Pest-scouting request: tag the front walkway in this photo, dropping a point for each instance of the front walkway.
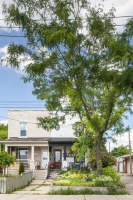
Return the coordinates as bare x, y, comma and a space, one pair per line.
42, 187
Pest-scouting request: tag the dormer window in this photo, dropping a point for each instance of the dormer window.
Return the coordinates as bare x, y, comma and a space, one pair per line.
23, 129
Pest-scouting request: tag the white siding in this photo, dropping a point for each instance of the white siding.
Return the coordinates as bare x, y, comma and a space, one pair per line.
66, 130
29, 116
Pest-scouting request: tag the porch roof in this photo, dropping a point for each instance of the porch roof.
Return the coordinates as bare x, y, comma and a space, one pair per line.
61, 140
25, 140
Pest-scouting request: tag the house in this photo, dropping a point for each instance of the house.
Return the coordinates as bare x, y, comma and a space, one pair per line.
36, 147
125, 163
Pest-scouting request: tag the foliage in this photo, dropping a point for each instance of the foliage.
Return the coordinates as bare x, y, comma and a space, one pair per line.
85, 69
85, 178
3, 133
21, 168
102, 180
120, 151
107, 159
109, 171
113, 190
6, 159
70, 191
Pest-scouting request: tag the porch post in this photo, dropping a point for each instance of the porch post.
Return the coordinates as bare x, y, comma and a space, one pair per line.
32, 153
6, 148
6, 169
32, 164
64, 152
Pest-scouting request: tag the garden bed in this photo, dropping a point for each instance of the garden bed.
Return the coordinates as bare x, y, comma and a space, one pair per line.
108, 182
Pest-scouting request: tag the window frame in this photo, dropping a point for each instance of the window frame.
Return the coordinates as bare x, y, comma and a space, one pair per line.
22, 123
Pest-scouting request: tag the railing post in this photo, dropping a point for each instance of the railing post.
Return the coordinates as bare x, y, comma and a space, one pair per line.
3, 185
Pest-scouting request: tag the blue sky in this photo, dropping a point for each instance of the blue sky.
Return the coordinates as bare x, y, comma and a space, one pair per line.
12, 87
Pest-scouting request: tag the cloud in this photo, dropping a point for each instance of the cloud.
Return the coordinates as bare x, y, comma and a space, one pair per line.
121, 140
3, 50
3, 54
8, 2
24, 61
5, 122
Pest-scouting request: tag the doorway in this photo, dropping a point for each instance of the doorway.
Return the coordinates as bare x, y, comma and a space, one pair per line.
57, 159
44, 159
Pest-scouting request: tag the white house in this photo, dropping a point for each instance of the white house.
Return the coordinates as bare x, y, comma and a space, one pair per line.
36, 147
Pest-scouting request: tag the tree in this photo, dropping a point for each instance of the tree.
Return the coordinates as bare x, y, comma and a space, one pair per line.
120, 151
107, 159
6, 160
21, 168
3, 133
77, 60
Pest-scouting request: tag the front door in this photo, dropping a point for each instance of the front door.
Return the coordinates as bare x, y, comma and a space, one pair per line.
44, 159
57, 159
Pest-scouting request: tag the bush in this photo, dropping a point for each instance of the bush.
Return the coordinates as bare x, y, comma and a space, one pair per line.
109, 171
21, 168
114, 190
102, 180
62, 172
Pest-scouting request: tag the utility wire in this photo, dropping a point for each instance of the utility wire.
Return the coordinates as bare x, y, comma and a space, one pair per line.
22, 36
21, 107
23, 101
20, 27
115, 17
17, 120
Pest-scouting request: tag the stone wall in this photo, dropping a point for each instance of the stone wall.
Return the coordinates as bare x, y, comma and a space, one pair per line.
9, 184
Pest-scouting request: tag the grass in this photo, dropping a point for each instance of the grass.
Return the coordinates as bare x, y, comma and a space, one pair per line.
86, 191
72, 181
70, 191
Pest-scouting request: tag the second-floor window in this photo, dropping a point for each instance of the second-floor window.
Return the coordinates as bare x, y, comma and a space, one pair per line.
23, 129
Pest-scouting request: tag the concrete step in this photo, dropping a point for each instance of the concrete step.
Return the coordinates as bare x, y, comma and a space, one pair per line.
53, 174
40, 175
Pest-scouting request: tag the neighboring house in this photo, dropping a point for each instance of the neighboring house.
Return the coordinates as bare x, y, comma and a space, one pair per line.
123, 163
36, 147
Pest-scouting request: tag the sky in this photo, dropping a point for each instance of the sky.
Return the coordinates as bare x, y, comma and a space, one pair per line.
15, 93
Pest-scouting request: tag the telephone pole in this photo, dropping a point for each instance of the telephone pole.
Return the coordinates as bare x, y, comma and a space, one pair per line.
130, 152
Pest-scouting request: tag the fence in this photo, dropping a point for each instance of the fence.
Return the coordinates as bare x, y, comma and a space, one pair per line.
9, 184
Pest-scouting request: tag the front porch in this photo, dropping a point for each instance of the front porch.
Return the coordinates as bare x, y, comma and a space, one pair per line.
40, 153
60, 153
33, 152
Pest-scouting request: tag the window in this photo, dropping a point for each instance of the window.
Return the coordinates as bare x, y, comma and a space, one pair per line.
23, 126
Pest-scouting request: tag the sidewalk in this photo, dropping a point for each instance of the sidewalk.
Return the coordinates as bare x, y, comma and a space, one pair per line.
63, 197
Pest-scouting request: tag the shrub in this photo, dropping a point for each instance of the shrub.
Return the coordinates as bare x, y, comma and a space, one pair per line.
109, 171
114, 190
62, 172
21, 168
102, 180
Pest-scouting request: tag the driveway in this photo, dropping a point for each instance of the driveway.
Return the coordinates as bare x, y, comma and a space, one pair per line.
127, 179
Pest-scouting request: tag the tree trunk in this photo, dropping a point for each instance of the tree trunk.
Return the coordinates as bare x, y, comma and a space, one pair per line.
98, 154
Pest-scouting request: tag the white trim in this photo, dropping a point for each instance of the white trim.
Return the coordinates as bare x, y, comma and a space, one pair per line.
26, 124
